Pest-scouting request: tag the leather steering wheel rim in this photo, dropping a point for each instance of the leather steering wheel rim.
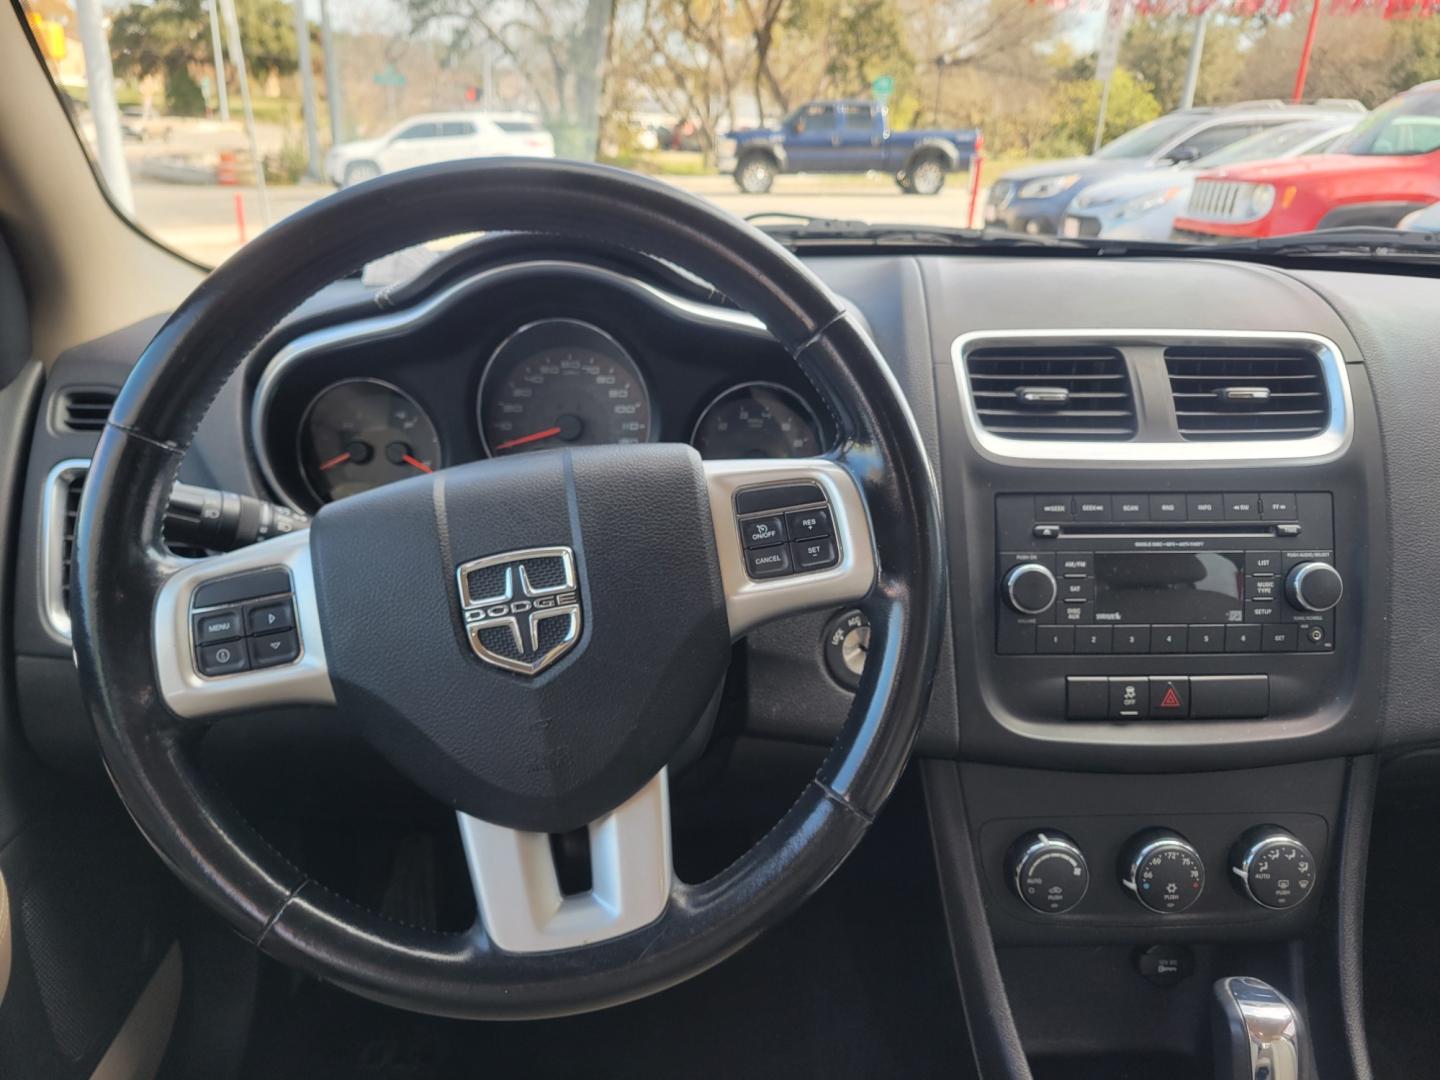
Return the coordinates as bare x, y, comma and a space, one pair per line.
121, 564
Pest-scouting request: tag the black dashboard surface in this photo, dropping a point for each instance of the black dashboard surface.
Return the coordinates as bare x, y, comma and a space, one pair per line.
916, 306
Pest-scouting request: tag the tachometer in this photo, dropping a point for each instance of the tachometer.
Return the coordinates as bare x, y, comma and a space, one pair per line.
757, 420
362, 433
560, 382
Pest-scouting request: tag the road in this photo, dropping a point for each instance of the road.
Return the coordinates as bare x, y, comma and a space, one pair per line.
207, 222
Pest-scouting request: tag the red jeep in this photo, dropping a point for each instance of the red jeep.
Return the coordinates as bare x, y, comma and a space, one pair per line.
1386, 168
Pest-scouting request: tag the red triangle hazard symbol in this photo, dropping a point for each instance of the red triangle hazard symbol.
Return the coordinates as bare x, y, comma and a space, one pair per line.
1171, 700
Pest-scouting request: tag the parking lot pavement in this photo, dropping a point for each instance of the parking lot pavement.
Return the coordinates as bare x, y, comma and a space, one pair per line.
202, 220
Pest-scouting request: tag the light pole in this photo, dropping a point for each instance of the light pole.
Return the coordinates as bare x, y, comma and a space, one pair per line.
104, 111
332, 76
222, 92
307, 92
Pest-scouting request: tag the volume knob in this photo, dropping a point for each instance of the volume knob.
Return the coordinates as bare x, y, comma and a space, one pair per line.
1030, 588
1314, 586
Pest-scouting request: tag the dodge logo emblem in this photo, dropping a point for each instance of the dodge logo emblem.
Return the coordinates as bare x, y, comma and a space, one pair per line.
521, 608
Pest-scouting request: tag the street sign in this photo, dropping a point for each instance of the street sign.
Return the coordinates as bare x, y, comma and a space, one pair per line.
883, 87
390, 77
1110, 42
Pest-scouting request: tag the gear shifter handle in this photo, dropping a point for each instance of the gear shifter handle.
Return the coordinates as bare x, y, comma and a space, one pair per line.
1258, 1033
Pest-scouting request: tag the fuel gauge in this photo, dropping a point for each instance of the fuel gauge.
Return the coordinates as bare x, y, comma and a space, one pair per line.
361, 434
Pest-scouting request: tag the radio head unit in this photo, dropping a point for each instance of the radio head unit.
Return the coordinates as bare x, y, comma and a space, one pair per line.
1166, 573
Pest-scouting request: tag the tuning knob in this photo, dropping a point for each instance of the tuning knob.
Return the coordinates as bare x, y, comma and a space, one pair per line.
1314, 586
1272, 867
1162, 870
1030, 588
1048, 871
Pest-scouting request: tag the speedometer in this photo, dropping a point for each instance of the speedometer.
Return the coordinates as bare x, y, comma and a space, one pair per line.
561, 382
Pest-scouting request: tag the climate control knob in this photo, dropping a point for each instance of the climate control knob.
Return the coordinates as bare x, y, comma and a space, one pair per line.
1314, 586
1162, 870
1272, 867
1048, 871
1030, 588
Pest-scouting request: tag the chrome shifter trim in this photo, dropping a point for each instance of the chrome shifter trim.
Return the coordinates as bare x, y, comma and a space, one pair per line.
1271, 1025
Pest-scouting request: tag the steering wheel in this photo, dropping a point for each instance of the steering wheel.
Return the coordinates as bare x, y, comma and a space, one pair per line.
529, 639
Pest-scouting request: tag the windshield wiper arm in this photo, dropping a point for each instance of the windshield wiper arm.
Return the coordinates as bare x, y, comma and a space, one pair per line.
1349, 240
841, 231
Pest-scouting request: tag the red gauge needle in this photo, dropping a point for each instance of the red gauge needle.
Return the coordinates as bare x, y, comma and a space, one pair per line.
338, 459
409, 459
534, 436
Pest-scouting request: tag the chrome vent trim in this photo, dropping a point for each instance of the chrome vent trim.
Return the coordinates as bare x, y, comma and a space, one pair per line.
1045, 391
1225, 392
1159, 443
61, 505
84, 408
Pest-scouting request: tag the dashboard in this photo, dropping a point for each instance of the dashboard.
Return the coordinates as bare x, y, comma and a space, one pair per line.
519, 359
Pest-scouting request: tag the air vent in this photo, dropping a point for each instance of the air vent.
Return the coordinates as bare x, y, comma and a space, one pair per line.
1247, 393
1052, 392
62, 507
85, 410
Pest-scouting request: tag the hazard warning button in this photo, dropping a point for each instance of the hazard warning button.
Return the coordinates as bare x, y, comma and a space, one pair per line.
1169, 697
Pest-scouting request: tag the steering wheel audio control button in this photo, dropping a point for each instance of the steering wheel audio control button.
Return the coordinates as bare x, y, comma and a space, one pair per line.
269, 617
217, 626
224, 659
271, 650
768, 562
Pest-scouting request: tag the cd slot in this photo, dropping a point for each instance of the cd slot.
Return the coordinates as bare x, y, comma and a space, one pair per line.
1164, 532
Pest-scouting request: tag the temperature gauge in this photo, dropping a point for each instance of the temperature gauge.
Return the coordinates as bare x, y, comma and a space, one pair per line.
362, 433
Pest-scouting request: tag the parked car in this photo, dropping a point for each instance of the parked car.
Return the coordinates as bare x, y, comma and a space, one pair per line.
1384, 170
432, 137
1143, 205
1034, 199
846, 137
1425, 221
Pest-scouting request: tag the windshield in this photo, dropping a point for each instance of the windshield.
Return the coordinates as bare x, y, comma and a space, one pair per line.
210, 120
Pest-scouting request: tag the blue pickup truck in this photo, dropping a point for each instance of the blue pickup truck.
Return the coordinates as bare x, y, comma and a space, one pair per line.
846, 137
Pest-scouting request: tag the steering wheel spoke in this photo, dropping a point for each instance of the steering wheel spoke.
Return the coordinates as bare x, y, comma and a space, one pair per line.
791, 535
518, 890
241, 631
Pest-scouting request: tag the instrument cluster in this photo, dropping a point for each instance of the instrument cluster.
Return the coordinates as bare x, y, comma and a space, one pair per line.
355, 415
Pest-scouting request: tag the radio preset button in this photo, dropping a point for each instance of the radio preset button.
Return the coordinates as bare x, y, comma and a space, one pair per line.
1131, 507
1092, 507
1092, 639
1168, 639
1054, 639
1207, 639
1280, 638
1205, 507
1167, 507
1242, 507
1132, 639
1242, 637
1052, 507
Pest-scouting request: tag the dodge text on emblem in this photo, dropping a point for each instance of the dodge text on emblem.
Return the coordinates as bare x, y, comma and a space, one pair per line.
521, 608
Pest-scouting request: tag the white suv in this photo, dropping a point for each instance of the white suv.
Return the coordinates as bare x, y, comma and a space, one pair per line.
432, 137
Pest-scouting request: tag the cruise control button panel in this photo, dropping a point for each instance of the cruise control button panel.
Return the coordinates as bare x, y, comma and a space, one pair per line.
243, 623
786, 539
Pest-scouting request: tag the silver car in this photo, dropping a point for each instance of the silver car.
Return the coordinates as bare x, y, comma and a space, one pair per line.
1142, 205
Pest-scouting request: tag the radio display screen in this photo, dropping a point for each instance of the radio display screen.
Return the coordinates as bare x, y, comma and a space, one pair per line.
1170, 587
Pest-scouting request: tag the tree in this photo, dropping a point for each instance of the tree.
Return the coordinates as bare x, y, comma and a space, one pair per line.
172, 37
1157, 49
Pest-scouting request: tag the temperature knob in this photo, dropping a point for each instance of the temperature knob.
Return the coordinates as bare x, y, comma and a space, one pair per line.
1272, 867
1314, 586
1030, 588
1162, 870
1048, 871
